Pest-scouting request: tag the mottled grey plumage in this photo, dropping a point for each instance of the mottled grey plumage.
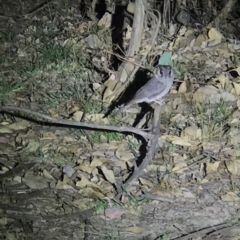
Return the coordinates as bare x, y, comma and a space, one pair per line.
155, 89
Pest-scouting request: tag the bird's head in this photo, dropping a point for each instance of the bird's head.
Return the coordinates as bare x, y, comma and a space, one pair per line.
164, 71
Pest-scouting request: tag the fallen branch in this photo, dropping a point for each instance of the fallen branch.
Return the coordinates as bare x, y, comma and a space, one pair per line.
138, 170
40, 117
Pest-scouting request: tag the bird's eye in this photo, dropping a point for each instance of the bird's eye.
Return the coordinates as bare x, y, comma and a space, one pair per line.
161, 72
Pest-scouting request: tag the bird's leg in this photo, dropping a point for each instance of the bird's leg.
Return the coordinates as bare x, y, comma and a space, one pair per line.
160, 101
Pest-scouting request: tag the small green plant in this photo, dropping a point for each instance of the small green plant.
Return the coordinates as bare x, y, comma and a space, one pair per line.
100, 205
211, 121
53, 99
53, 53
94, 29
8, 88
111, 237
7, 37
109, 136
135, 201
222, 110
58, 159
82, 61
132, 145
39, 153
165, 237
89, 105
171, 148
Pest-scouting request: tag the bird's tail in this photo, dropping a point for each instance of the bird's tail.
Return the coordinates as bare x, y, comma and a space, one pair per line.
120, 109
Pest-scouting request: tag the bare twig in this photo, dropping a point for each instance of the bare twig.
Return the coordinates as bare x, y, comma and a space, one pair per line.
39, 117
35, 10
39, 7
207, 232
161, 198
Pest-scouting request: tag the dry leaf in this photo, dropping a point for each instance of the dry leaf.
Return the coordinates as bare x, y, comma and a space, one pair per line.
10, 236
207, 94
68, 139
233, 166
192, 133
107, 187
238, 104
227, 97
212, 167
84, 182
35, 182
77, 116
69, 188
106, 20
128, 33
157, 190
213, 145
87, 169
213, 34
47, 175
97, 118
213, 43
124, 155
131, 7
110, 83
224, 80
20, 125
235, 140
180, 167
176, 140
230, 197
145, 50
180, 42
5, 129
146, 182
114, 212
187, 194
182, 31
96, 162
98, 87
48, 136
82, 27
236, 88
33, 146
134, 229
183, 87
68, 170
108, 95
108, 174
200, 40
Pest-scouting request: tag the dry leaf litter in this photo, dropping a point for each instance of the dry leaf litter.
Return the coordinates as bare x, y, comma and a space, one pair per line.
62, 181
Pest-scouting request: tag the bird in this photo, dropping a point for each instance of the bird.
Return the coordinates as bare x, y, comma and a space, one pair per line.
154, 90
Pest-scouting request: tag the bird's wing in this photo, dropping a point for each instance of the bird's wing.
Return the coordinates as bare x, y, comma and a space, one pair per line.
152, 90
